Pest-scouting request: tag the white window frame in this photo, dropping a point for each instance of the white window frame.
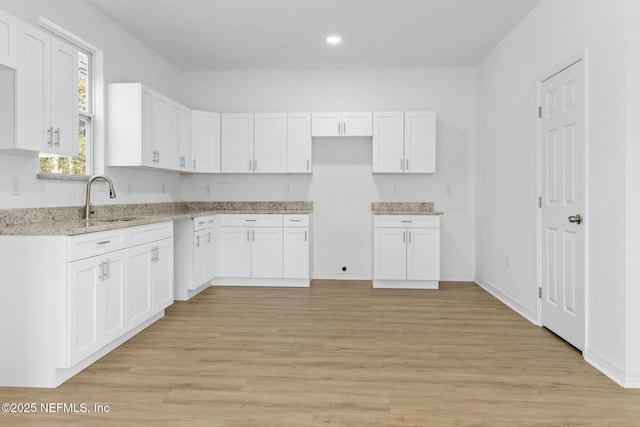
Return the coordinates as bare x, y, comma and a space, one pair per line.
95, 151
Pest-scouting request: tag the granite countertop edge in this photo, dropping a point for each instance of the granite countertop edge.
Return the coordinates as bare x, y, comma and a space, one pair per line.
97, 224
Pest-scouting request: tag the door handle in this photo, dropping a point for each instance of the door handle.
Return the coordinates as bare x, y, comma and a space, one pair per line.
57, 132
575, 219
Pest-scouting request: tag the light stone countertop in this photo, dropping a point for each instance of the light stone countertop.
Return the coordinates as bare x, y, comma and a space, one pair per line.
403, 208
67, 221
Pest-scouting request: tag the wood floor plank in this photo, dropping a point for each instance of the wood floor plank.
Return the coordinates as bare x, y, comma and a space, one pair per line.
340, 354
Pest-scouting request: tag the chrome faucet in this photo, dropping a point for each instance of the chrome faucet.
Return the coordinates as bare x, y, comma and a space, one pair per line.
112, 192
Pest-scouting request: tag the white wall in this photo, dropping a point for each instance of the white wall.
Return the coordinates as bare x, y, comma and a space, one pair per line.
342, 186
126, 59
506, 163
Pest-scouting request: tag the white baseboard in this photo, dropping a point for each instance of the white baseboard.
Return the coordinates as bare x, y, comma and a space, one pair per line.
508, 301
276, 283
339, 276
457, 279
405, 284
632, 380
605, 365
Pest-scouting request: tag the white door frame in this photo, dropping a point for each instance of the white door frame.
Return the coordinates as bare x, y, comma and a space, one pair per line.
577, 57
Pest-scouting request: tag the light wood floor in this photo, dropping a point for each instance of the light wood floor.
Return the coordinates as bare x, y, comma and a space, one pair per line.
340, 354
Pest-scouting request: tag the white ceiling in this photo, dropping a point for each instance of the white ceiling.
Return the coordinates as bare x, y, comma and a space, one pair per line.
276, 34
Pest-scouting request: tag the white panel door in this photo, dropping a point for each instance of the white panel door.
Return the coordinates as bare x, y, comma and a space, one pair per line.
200, 257
266, 252
357, 124
205, 142
209, 264
298, 143
270, 142
296, 253
563, 194
33, 81
235, 252
160, 140
390, 253
388, 142
420, 141
326, 124
184, 140
8, 40
173, 135
146, 128
162, 275
139, 305
64, 98
423, 254
85, 322
237, 143
114, 296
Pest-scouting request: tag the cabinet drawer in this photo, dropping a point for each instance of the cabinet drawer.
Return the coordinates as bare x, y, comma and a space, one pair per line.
251, 220
149, 233
202, 222
416, 221
88, 245
296, 220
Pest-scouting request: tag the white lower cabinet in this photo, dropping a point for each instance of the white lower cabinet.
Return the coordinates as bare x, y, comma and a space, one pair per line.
266, 250
406, 251
91, 293
195, 249
96, 303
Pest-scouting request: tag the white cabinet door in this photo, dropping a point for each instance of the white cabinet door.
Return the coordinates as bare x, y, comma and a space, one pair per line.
114, 296
147, 150
270, 142
237, 143
159, 141
357, 124
8, 40
173, 136
205, 142
388, 142
423, 254
64, 98
296, 253
139, 305
299, 143
162, 275
210, 260
420, 141
84, 328
235, 252
266, 252
390, 253
326, 124
33, 80
184, 140
200, 256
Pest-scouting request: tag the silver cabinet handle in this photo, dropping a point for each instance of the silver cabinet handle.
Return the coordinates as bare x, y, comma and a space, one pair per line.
250, 220
409, 236
158, 156
308, 164
407, 168
248, 239
255, 165
101, 276
253, 235
344, 128
404, 237
305, 235
250, 165
295, 220
407, 221
107, 273
103, 242
209, 237
339, 128
183, 161
50, 138
198, 241
57, 132
194, 164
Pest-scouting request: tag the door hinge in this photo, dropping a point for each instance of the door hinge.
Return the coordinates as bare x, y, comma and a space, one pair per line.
539, 112
540, 202
540, 293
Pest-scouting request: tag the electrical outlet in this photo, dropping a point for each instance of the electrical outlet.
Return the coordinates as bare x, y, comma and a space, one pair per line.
128, 189
396, 190
448, 190
344, 269
15, 185
287, 188
207, 190
163, 188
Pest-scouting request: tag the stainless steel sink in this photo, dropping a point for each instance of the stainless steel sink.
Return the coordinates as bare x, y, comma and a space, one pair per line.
98, 221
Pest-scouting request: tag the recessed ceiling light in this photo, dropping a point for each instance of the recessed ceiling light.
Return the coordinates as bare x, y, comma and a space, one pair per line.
334, 39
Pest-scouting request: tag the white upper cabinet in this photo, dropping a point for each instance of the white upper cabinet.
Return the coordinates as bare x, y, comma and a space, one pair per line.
184, 139
404, 142
145, 128
299, 143
270, 142
46, 104
237, 143
341, 124
8, 40
205, 142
